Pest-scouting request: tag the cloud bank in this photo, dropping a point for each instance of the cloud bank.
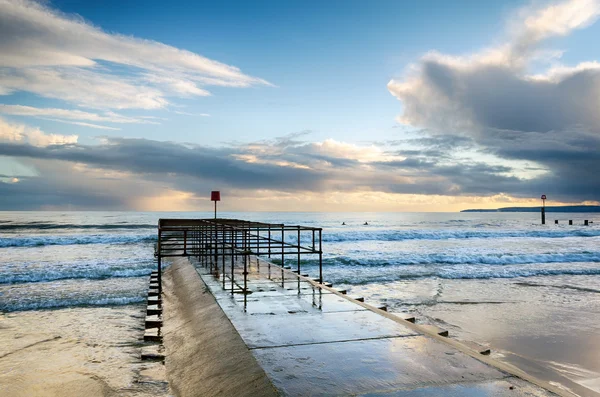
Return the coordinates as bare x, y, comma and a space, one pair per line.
549, 118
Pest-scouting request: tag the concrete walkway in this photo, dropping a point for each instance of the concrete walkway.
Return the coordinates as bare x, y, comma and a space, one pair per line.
312, 340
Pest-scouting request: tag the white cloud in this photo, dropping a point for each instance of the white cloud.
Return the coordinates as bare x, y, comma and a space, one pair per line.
73, 116
34, 136
191, 114
491, 88
62, 56
560, 19
84, 87
83, 124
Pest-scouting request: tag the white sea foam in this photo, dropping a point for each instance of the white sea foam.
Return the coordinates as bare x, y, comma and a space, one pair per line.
445, 234
38, 241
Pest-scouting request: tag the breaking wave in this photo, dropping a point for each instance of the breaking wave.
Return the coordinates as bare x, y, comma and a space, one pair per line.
91, 271
424, 234
38, 241
60, 303
12, 226
463, 259
361, 278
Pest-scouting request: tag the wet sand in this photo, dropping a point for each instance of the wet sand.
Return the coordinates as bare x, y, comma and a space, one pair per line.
76, 352
547, 326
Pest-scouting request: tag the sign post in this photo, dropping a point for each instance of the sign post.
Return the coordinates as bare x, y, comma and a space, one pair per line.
543, 209
215, 196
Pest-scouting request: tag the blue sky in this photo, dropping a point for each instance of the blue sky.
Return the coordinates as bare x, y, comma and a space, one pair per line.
360, 79
330, 61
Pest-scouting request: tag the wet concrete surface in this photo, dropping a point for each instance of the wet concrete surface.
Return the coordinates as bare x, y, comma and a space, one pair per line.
498, 388
312, 342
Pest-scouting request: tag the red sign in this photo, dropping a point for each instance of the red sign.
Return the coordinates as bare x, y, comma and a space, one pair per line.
543, 197
215, 195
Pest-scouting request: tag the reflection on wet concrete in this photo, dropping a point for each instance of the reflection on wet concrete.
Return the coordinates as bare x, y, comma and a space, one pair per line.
514, 388
312, 342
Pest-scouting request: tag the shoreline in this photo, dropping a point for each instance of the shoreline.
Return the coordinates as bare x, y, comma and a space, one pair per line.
76, 351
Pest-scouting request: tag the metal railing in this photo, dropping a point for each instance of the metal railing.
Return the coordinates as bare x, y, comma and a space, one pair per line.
224, 245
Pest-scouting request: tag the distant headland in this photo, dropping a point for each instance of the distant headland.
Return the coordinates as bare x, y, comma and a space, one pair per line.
561, 208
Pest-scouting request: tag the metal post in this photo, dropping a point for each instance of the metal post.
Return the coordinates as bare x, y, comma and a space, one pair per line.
159, 263
543, 215
245, 279
269, 241
320, 258
282, 257
245, 265
269, 249
185, 242
233, 258
224, 241
216, 268
543, 209
298, 263
257, 249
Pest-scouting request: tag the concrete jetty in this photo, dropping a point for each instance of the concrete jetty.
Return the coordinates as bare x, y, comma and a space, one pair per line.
255, 327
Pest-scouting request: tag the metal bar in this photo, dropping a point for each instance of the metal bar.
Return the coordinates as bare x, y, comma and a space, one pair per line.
159, 264
232, 263
223, 272
245, 266
298, 263
320, 259
185, 242
282, 258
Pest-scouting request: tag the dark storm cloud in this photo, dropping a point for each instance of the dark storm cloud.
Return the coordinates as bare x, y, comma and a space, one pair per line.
144, 156
41, 193
285, 164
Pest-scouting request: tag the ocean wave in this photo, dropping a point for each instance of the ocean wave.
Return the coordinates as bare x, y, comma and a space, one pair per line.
62, 303
440, 234
460, 259
352, 278
37, 241
9, 275
7, 226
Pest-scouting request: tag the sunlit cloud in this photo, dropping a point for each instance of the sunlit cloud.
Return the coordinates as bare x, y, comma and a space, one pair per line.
19, 133
546, 124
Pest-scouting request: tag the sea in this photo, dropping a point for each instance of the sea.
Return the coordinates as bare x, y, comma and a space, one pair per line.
530, 292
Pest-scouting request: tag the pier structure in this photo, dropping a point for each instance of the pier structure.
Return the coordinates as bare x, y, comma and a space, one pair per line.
247, 313
226, 247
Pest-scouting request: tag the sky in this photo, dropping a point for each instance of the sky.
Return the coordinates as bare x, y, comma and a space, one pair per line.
298, 105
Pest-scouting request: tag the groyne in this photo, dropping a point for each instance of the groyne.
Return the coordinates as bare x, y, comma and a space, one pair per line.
236, 323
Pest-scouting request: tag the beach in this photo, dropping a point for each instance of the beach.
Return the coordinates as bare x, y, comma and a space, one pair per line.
72, 286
